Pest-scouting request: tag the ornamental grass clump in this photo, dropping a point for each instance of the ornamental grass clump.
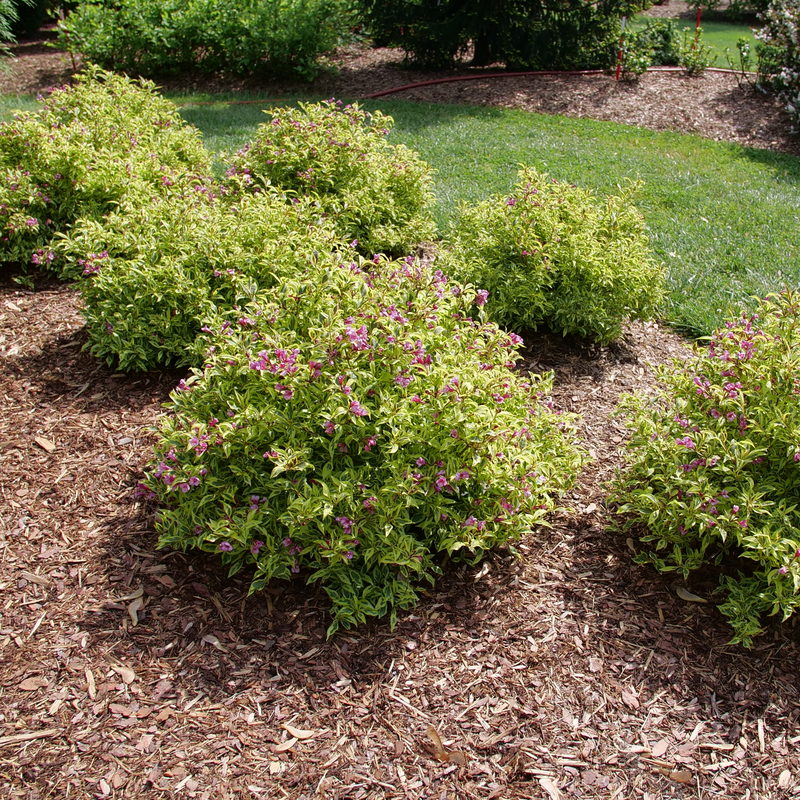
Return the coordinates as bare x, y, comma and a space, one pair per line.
714, 465
354, 430
88, 147
378, 195
549, 254
152, 274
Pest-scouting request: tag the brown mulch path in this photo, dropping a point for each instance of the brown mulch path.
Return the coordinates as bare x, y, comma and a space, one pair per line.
130, 672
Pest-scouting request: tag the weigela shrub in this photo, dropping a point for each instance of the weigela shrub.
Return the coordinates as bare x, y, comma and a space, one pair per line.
152, 274
550, 255
168, 37
88, 147
353, 429
378, 194
714, 469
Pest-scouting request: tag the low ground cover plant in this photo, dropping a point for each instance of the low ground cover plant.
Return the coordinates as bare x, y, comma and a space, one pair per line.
88, 147
714, 465
353, 430
377, 194
549, 254
163, 37
151, 274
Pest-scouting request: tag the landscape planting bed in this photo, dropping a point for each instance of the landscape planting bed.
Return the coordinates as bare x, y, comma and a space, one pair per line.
570, 670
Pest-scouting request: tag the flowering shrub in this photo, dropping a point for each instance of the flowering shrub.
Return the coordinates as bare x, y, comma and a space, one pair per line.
779, 52
714, 466
548, 254
89, 146
153, 274
378, 194
354, 427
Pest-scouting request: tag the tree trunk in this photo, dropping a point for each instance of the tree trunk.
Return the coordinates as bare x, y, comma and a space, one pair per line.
483, 52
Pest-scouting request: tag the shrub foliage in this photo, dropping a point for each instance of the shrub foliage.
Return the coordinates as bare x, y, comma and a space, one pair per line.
779, 52
377, 194
714, 465
87, 148
523, 34
353, 427
162, 37
548, 254
152, 275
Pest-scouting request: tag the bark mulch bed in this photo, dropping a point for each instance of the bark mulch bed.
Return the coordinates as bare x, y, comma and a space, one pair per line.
130, 672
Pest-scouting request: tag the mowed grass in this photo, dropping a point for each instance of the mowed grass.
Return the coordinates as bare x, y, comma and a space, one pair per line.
723, 218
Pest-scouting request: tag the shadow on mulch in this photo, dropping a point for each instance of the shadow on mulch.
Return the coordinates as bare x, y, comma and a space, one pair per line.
222, 642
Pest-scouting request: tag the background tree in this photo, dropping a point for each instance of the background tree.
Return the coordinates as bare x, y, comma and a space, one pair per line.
522, 34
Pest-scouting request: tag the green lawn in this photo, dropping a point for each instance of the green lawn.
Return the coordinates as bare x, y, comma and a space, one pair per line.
723, 218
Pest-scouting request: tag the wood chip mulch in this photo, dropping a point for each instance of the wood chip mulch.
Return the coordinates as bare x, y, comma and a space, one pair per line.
130, 672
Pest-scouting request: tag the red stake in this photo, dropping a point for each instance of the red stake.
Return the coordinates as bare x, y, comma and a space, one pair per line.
619, 53
697, 27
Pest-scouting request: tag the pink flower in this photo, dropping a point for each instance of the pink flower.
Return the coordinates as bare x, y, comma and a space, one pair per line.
358, 409
225, 547
329, 426
454, 433
257, 545
481, 296
783, 570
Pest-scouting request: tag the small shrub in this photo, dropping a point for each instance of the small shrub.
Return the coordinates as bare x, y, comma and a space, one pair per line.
637, 56
662, 38
695, 55
550, 255
162, 37
714, 464
154, 273
664, 44
744, 66
87, 148
377, 194
354, 428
